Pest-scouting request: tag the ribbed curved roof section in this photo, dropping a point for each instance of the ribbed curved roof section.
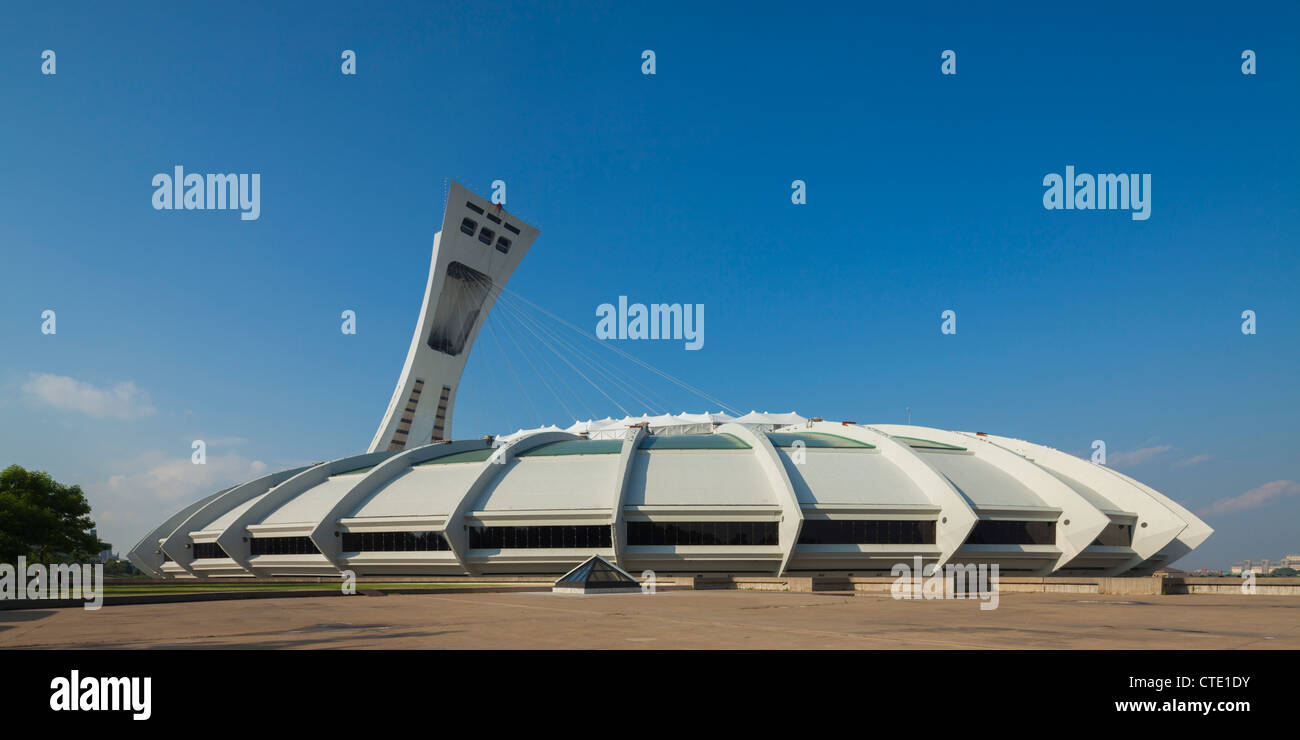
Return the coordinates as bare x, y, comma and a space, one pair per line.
800, 477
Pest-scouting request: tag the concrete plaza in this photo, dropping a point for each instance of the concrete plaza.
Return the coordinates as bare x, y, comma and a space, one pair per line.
721, 619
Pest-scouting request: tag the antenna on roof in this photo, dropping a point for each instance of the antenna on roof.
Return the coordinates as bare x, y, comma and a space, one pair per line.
909, 416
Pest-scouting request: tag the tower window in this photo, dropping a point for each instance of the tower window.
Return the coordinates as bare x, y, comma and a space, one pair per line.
486, 236
468, 226
503, 245
462, 297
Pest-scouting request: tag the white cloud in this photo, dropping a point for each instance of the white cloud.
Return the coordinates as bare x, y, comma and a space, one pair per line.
1253, 499
1136, 457
164, 480
1193, 460
128, 505
122, 401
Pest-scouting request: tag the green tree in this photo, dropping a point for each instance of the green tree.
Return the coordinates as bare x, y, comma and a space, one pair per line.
43, 519
1283, 572
121, 569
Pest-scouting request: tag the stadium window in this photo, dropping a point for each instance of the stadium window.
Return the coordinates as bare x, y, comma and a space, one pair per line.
1115, 535
991, 532
486, 236
204, 550
726, 532
473, 207
494, 218
540, 538
283, 546
512, 228
866, 532
394, 542
503, 245
468, 226
702, 533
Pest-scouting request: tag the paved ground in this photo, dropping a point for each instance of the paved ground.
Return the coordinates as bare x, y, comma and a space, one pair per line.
681, 619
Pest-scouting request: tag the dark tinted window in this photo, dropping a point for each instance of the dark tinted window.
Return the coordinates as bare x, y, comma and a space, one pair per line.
1012, 533
507, 538
1115, 535
393, 541
468, 226
866, 532
283, 546
208, 550
702, 533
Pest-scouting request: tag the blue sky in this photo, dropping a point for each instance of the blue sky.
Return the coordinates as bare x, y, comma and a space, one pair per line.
924, 194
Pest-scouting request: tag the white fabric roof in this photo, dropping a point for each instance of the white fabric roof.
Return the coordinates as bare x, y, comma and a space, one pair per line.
522, 432
663, 424
781, 420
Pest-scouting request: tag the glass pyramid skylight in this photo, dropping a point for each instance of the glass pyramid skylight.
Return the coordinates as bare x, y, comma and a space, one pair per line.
596, 575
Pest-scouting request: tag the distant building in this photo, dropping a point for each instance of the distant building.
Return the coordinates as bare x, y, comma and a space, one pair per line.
1246, 566
106, 554
1265, 566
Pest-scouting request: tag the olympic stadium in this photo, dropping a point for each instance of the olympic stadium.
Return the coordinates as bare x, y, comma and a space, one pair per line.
688, 493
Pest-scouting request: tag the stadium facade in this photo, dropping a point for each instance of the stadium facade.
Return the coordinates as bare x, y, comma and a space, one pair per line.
698, 493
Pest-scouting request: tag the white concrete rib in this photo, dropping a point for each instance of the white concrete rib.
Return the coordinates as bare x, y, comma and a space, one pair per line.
325, 532
235, 538
1080, 522
456, 530
769, 464
626, 457
178, 547
147, 553
957, 518
1187, 540
1157, 525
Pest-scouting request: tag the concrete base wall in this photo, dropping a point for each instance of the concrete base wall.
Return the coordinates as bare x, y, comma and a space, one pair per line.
1270, 586
884, 584
1124, 586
